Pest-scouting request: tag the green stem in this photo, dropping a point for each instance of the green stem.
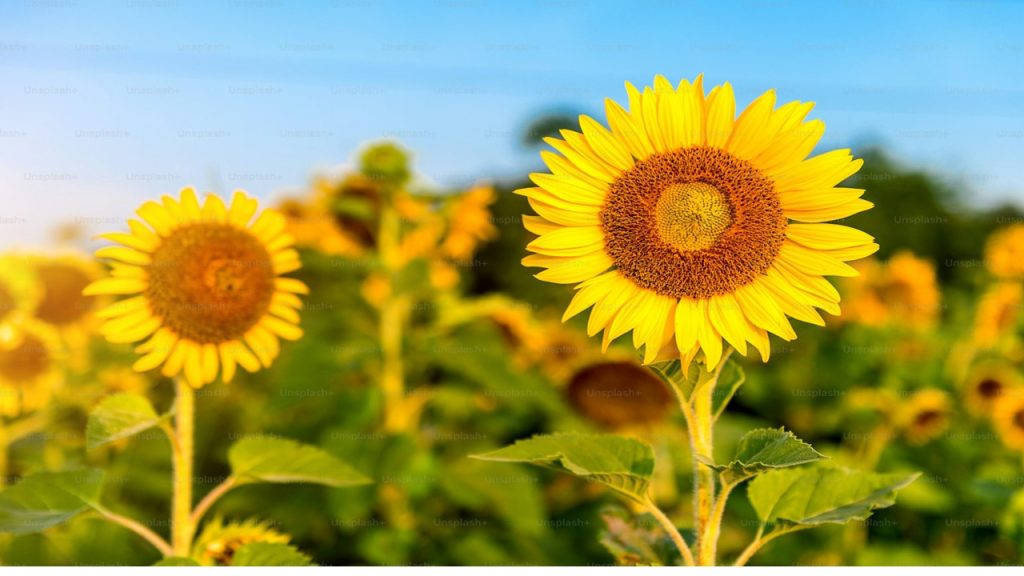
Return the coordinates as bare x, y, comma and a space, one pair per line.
672, 532
150, 536
181, 502
760, 540
211, 498
701, 442
392, 318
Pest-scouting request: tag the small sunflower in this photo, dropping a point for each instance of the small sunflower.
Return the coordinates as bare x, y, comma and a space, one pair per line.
1004, 252
1009, 420
63, 304
925, 416
205, 285
997, 314
687, 225
217, 545
313, 227
470, 223
619, 394
901, 292
987, 384
29, 368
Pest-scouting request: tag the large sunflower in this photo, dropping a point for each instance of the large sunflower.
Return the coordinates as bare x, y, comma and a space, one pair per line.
687, 225
205, 287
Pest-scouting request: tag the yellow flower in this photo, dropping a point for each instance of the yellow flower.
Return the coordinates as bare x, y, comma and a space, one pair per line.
997, 314
205, 287
470, 223
29, 367
1004, 252
313, 227
619, 394
925, 415
62, 279
1009, 420
901, 292
217, 545
443, 275
19, 289
687, 225
987, 383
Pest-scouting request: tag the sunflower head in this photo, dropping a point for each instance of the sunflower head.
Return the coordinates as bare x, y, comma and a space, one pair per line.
204, 285
29, 367
997, 314
219, 541
619, 394
925, 415
62, 279
1009, 420
900, 292
986, 385
386, 163
1004, 252
470, 223
687, 225
20, 290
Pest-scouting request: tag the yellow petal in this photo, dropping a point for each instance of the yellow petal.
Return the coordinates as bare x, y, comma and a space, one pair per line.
214, 209
209, 362
157, 217
142, 244
124, 255
242, 208
190, 205
284, 329
227, 362
115, 286
291, 285
570, 241
605, 144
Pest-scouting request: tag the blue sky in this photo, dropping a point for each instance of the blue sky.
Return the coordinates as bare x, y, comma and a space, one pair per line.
105, 104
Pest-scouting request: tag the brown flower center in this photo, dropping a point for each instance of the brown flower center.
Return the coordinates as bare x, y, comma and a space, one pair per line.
210, 282
63, 302
618, 393
26, 361
989, 388
693, 223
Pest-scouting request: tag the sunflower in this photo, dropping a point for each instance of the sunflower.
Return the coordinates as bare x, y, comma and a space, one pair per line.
217, 545
1004, 252
29, 367
205, 287
1009, 420
987, 383
619, 394
19, 289
62, 303
471, 223
688, 226
313, 227
997, 314
900, 292
925, 416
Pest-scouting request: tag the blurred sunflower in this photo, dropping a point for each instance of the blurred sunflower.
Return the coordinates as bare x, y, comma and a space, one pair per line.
217, 545
691, 209
469, 223
313, 227
1009, 420
987, 383
900, 292
1004, 252
205, 287
997, 313
619, 394
29, 368
19, 289
925, 415
63, 304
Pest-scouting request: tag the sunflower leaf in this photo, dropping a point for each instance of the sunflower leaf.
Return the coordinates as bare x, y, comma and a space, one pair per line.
814, 496
283, 461
621, 463
270, 554
119, 416
46, 499
765, 449
683, 382
729, 381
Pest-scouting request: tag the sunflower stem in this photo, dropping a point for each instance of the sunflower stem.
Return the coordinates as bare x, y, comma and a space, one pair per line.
182, 526
392, 318
672, 531
704, 476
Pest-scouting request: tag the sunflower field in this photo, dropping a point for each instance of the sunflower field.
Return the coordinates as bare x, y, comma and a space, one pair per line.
696, 333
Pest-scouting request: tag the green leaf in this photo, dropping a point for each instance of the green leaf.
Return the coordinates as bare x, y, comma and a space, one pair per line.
46, 499
671, 373
283, 461
119, 416
176, 561
729, 381
634, 541
270, 554
813, 496
621, 463
764, 449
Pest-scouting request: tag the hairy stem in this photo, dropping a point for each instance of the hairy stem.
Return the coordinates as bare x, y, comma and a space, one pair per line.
760, 540
181, 502
672, 532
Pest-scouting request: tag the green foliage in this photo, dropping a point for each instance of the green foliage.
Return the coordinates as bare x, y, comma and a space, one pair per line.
813, 496
270, 554
634, 541
283, 461
46, 499
621, 463
176, 561
766, 449
119, 416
